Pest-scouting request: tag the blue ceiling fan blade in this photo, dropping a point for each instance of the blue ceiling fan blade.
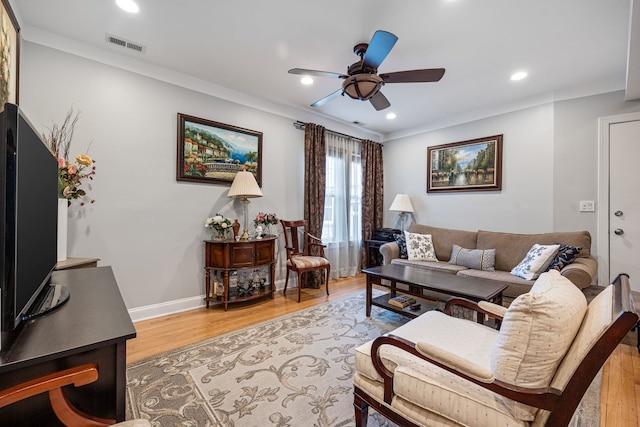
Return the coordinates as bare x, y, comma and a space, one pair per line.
379, 47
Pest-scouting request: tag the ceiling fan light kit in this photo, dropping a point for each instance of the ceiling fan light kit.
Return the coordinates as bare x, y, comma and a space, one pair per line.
362, 86
362, 82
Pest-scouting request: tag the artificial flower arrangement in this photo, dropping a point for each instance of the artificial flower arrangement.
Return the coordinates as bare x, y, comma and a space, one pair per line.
71, 175
218, 223
265, 219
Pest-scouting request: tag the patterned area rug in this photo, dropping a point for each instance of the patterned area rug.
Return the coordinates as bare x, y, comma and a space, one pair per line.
295, 371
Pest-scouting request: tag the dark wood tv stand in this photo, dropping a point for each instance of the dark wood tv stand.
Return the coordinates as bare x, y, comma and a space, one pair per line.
92, 327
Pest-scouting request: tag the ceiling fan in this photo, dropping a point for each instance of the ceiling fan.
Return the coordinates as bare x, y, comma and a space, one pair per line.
362, 81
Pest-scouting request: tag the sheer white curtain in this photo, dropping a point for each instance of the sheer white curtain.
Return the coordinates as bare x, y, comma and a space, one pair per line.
341, 230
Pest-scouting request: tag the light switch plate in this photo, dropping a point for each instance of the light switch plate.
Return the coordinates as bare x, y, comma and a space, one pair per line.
587, 206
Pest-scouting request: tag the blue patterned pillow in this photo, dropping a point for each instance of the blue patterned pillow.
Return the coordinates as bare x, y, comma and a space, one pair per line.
402, 244
566, 255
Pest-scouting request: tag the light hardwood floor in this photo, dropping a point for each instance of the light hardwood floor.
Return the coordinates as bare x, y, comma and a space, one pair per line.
619, 400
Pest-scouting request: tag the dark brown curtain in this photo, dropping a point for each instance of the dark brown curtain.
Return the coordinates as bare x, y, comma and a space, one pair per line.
315, 155
372, 191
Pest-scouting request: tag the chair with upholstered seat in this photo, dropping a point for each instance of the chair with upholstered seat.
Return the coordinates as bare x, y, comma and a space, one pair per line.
68, 414
440, 370
305, 252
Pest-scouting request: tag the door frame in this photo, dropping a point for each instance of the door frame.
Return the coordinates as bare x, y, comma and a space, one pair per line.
603, 191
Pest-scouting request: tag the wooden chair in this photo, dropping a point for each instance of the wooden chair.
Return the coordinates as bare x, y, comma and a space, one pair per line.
300, 254
465, 388
68, 414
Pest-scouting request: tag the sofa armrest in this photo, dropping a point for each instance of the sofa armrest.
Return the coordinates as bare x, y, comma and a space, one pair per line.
582, 272
389, 251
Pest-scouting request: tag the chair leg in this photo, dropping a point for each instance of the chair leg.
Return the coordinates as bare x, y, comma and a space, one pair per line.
326, 282
361, 411
286, 282
299, 283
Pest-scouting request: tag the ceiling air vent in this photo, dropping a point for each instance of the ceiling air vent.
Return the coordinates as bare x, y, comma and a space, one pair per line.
125, 43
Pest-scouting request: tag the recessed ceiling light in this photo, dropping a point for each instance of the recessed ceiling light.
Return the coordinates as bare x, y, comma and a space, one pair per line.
519, 75
306, 80
128, 6
391, 116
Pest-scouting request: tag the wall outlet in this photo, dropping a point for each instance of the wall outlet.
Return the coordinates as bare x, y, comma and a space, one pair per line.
587, 206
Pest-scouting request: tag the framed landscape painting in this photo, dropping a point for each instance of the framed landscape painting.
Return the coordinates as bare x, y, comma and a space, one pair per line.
474, 165
213, 152
9, 54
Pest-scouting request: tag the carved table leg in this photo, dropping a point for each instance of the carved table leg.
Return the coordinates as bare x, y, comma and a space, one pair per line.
207, 286
225, 281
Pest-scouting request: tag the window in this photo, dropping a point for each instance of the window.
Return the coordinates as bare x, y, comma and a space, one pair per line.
342, 226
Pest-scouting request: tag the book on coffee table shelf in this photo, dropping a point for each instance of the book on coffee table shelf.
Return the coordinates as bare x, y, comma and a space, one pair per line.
401, 301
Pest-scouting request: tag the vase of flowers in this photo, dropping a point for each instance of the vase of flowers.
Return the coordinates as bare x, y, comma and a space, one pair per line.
72, 174
220, 224
265, 220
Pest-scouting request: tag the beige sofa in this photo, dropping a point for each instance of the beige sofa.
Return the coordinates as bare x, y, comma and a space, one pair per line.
510, 249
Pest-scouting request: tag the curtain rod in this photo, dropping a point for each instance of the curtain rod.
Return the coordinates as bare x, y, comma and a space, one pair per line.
300, 126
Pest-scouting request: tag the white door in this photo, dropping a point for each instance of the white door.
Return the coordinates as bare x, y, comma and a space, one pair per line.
624, 200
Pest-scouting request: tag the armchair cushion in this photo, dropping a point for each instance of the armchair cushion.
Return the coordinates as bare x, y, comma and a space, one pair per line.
442, 332
304, 261
537, 330
460, 364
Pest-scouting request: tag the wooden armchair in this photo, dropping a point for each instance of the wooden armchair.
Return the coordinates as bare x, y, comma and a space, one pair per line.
439, 370
69, 415
300, 254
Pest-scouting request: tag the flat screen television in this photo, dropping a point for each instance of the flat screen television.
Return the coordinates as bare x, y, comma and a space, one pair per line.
28, 220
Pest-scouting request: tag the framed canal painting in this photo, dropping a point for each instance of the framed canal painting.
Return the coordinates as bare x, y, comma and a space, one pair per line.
474, 165
213, 152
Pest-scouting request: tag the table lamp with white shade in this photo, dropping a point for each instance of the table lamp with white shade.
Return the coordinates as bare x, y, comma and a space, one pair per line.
402, 204
245, 186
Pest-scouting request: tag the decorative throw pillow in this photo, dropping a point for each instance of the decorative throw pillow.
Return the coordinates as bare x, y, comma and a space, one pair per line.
402, 244
477, 259
420, 247
536, 332
565, 256
536, 261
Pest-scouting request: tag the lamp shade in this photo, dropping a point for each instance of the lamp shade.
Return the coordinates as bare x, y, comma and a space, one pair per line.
244, 185
401, 203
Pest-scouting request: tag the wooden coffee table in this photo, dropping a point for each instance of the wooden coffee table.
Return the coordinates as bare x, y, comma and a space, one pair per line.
419, 279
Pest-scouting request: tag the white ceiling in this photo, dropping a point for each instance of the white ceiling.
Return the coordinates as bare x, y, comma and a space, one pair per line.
569, 48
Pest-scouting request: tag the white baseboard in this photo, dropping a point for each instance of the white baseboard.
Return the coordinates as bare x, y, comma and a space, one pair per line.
172, 307
163, 309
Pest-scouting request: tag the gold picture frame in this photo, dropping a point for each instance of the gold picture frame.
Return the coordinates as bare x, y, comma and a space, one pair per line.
9, 55
473, 165
213, 152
